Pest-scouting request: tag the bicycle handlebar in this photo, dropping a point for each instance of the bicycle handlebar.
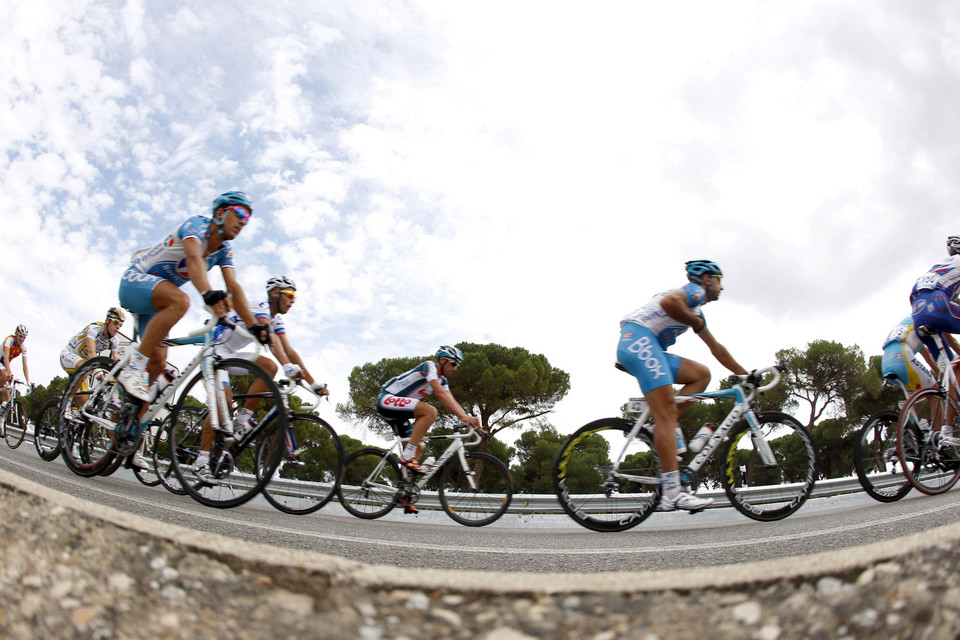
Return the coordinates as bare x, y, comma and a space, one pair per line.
753, 378
288, 386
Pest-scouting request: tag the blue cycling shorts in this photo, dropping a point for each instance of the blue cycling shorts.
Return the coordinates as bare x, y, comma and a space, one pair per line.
640, 353
933, 308
136, 294
901, 363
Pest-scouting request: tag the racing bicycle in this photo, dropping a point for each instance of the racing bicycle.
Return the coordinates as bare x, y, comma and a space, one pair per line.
473, 488
108, 422
768, 464
875, 456
14, 417
931, 460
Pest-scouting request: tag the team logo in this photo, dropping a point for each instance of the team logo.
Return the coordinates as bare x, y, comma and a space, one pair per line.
182, 269
642, 348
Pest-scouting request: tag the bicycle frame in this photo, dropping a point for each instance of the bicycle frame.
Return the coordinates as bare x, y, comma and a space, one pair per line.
743, 408
947, 385
458, 447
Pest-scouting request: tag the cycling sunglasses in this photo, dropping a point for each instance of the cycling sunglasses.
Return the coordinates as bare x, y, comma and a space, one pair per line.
241, 213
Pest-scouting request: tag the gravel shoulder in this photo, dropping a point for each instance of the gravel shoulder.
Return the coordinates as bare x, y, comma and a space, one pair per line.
69, 568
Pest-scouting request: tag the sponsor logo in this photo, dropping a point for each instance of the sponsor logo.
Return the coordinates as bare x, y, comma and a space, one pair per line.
645, 354
136, 276
394, 401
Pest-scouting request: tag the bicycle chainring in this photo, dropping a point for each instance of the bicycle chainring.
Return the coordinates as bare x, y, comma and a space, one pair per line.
408, 493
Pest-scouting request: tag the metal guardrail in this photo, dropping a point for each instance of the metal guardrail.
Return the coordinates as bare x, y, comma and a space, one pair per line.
525, 503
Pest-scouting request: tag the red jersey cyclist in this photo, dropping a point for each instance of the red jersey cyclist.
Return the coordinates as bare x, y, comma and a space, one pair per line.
402, 398
151, 285
645, 335
13, 346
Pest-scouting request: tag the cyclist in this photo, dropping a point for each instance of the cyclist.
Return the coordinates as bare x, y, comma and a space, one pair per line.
645, 335
12, 347
151, 285
402, 399
281, 292
92, 339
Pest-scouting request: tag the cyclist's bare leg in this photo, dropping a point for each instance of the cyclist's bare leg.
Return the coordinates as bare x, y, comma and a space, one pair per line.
424, 415
665, 415
260, 386
694, 377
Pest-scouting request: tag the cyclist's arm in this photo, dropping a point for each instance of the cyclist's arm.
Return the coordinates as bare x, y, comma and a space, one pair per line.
239, 297
283, 350
675, 305
26, 373
446, 399
91, 347
197, 270
720, 352
6, 361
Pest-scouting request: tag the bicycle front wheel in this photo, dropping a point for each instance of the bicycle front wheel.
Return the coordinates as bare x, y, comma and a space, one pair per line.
46, 430
238, 470
477, 494
603, 494
371, 478
931, 466
875, 458
191, 419
15, 425
309, 469
769, 486
87, 445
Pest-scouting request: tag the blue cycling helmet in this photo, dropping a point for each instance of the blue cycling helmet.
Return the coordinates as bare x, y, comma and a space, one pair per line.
696, 269
450, 352
232, 199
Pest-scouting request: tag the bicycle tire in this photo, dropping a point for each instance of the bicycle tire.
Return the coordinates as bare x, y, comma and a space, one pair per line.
366, 497
46, 430
85, 446
162, 451
241, 469
581, 469
929, 469
303, 485
480, 506
15, 425
771, 493
880, 474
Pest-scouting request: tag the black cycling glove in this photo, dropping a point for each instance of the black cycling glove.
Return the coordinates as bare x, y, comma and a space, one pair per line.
261, 332
213, 296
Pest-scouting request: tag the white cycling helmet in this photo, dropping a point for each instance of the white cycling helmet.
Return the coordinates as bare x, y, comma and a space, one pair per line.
22, 330
280, 282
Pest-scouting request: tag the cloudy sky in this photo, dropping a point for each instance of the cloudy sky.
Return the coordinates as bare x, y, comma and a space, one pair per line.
515, 172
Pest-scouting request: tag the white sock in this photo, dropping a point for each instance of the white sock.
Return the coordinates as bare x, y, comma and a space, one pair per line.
138, 362
671, 484
245, 414
410, 452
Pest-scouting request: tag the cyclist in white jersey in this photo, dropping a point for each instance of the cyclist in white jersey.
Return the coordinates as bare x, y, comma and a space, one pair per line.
402, 398
645, 335
93, 339
933, 298
151, 285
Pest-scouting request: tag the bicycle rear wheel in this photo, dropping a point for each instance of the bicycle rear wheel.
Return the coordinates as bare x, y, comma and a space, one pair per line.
769, 490
483, 503
931, 467
591, 492
147, 477
239, 469
86, 445
371, 478
875, 458
15, 425
46, 430
309, 469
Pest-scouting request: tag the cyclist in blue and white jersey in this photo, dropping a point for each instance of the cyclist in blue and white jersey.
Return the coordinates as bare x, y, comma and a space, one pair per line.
645, 335
151, 285
402, 398
932, 297
902, 351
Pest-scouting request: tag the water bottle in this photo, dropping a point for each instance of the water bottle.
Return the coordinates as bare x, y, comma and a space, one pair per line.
701, 438
427, 464
163, 381
681, 444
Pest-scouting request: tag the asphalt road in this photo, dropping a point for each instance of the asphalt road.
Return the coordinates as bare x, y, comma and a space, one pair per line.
516, 543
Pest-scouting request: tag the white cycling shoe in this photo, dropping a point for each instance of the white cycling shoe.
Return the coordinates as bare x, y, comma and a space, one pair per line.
684, 501
137, 383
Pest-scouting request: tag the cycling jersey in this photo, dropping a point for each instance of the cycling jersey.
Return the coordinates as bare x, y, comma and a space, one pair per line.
900, 360
401, 395
944, 276
229, 341
168, 258
652, 316
10, 342
101, 341
932, 300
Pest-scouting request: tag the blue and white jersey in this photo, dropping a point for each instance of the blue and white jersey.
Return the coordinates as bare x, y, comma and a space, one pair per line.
229, 341
944, 275
652, 316
905, 334
416, 382
168, 259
